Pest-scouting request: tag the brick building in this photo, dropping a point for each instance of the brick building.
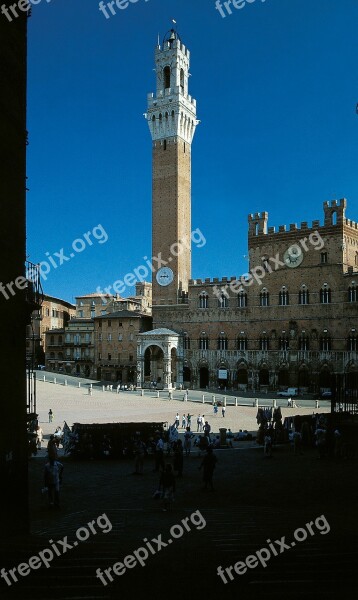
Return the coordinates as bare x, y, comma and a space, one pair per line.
290, 321
54, 314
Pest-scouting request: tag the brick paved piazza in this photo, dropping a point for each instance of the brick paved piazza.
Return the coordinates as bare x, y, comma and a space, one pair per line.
255, 500
73, 404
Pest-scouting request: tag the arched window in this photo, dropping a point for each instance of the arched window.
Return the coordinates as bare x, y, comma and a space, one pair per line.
242, 300
203, 300
264, 343
303, 295
166, 77
242, 341
352, 293
223, 301
352, 341
303, 342
52, 340
182, 81
203, 342
283, 297
153, 118
334, 218
186, 341
325, 294
325, 342
264, 298
60, 339
283, 342
222, 342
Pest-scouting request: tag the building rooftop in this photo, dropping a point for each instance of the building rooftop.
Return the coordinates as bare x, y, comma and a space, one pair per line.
119, 314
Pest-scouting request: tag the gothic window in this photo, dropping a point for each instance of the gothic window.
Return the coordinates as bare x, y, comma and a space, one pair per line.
325, 343
352, 293
223, 301
325, 295
303, 343
222, 342
203, 300
109, 356
352, 342
324, 258
165, 145
203, 343
242, 343
264, 298
303, 295
186, 342
52, 340
283, 297
264, 343
283, 343
109, 337
242, 300
166, 77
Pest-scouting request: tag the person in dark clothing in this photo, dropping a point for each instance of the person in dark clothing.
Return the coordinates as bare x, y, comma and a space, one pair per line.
208, 465
167, 486
178, 458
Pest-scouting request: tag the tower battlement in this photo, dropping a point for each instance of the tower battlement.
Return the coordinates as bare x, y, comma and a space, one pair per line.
334, 215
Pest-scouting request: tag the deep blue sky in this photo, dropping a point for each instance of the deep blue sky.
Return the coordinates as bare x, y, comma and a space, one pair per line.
276, 88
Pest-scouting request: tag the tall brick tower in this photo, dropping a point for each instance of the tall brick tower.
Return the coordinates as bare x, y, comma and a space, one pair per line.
172, 121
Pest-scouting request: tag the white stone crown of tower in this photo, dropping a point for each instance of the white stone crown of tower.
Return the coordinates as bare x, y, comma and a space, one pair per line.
172, 111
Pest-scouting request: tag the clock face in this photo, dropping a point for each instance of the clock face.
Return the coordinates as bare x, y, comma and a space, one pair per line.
293, 256
165, 276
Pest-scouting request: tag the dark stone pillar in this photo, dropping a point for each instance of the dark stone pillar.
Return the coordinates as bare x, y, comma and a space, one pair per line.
13, 307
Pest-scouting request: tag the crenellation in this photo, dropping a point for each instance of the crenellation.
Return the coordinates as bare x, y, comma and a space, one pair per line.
293, 226
271, 230
304, 225
315, 224
281, 228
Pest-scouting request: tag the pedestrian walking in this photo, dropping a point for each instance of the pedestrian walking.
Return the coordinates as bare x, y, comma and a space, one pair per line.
223, 410
178, 457
198, 423
183, 422
52, 448
215, 409
139, 452
53, 479
207, 429
208, 465
187, 441
50, 416
159, 454
177, 420
39, 437
188, 420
